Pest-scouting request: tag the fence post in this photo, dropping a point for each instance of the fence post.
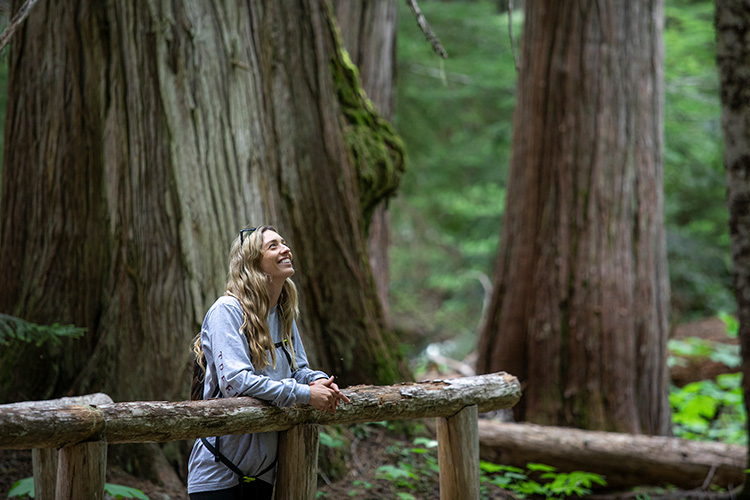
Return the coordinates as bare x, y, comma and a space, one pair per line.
44, 462
81, 471
297, 472
47, 467
458, 455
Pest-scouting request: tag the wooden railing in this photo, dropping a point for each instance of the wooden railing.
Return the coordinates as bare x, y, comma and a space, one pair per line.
69, 436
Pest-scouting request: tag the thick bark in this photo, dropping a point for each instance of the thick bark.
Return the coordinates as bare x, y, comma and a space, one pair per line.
140, 137
363, 162
53, 424
625, 460
579, 311
733, 56
368, 31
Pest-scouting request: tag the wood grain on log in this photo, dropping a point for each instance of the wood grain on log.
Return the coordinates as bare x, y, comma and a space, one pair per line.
458, 455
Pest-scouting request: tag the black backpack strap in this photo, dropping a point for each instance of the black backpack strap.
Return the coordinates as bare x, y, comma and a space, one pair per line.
220, 457
283, 344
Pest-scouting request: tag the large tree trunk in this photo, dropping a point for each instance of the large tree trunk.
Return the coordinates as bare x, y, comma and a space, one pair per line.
733, 55
368, 29
579, 311
140, 137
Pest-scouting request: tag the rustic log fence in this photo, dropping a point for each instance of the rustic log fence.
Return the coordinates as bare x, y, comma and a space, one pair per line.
81, 428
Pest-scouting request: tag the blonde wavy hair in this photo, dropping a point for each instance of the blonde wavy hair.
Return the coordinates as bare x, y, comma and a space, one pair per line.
247, 283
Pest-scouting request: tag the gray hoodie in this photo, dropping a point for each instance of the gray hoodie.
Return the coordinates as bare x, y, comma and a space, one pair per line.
228, 364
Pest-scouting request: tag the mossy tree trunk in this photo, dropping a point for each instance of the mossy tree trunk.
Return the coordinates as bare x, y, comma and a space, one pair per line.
733, 56
140, 137
579, 311
368, 29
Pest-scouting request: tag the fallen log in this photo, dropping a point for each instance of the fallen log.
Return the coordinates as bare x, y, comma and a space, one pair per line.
625, 460
24, 426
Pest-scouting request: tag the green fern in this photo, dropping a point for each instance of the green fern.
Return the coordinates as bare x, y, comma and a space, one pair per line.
13, 328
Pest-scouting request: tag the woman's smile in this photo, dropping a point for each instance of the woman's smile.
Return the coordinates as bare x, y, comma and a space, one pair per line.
277, 257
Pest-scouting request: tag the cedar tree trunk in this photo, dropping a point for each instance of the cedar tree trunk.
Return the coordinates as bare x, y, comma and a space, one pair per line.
140, 137
579, 311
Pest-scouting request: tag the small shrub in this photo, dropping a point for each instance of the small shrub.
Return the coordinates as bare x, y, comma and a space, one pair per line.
710, 410
554, 485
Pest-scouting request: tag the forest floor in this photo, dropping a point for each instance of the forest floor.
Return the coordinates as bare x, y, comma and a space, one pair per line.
375, 461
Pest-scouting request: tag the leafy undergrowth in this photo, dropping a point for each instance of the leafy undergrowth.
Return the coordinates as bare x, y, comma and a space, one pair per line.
399, 461
394, 460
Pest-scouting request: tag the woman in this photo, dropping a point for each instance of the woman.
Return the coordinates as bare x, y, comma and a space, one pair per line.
249, 346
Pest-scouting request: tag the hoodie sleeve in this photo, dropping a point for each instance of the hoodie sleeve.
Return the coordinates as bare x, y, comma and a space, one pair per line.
304, 374
235, 373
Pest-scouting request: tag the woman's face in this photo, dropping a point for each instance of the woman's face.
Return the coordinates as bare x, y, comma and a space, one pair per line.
277, 257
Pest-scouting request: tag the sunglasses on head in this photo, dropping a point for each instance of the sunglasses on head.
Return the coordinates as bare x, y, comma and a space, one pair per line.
244, 232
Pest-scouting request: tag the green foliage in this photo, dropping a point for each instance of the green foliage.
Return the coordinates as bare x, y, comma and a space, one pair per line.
25, 489
454, 116
733, 325
360, 484
330, 441
552, 484
710, 410
118, 491
694, 347
696, 215
416, 467
13, 328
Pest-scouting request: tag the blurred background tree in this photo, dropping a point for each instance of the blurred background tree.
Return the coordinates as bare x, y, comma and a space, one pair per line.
455, 118
581, 297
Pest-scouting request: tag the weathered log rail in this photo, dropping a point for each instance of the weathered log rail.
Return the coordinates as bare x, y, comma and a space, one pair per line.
74, 424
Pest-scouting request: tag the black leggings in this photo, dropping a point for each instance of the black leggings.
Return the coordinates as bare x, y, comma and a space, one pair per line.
254, 490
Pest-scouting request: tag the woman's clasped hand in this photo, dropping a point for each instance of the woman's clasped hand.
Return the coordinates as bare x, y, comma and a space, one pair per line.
325, 395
